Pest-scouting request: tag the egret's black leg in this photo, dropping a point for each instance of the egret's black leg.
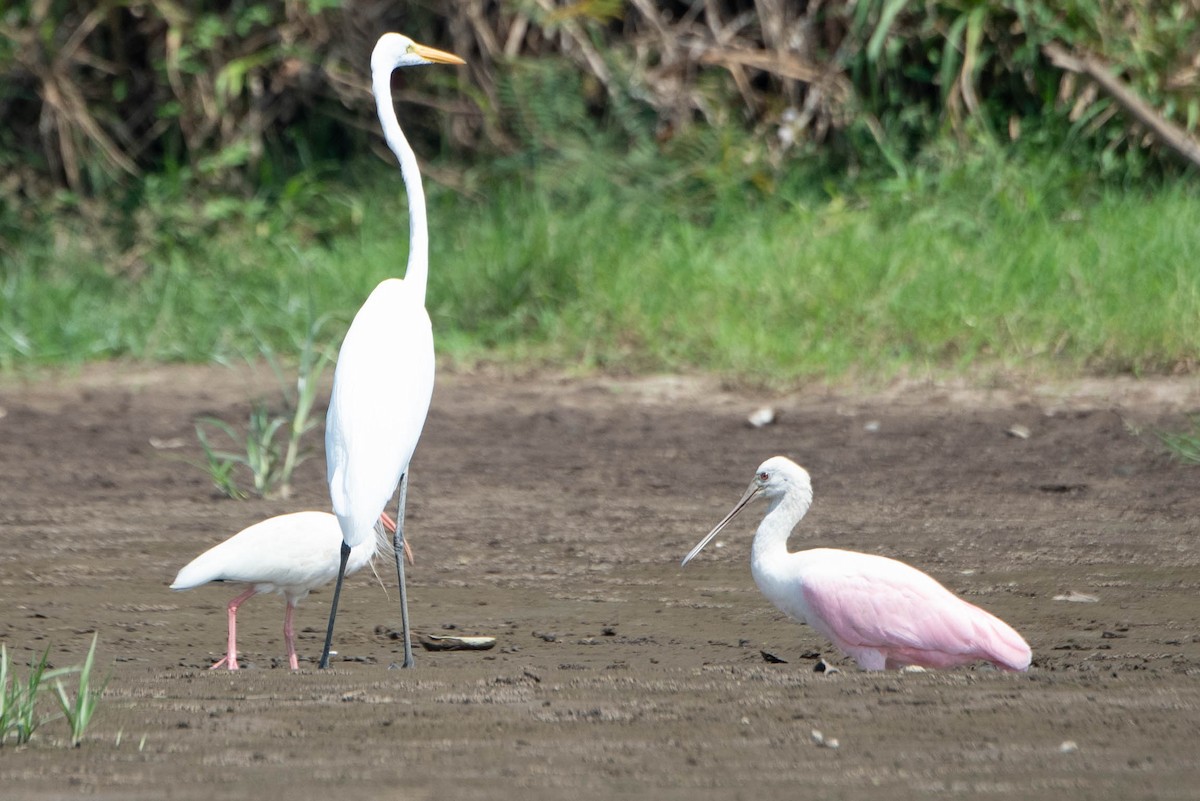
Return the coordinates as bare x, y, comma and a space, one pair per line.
398, 544
337, 593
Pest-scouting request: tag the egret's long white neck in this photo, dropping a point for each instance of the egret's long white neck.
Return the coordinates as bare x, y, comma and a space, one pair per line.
417, 274
770, 541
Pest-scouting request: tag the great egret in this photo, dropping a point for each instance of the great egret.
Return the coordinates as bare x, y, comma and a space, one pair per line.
291, 554
881, 612
384, 376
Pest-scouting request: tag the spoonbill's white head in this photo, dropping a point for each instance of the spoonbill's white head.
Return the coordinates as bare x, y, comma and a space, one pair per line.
777, 478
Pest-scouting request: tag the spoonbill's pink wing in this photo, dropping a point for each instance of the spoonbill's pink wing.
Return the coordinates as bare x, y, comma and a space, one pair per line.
866, 602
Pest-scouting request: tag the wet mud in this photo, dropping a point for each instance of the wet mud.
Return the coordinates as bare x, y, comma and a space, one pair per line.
551, 513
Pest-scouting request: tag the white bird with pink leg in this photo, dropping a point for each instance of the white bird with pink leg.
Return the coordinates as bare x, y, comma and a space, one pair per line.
290, 554
883, 613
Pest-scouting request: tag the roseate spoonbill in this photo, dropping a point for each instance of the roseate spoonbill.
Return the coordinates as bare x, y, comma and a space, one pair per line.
291, 554
883, 613
384, 376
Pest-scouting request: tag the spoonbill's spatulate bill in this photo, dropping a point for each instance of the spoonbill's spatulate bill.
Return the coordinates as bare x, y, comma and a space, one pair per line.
291, 554
883, 613
384, 377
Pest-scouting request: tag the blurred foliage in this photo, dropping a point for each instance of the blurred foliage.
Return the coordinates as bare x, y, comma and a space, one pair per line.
172, 174
95, 93
979, 68
246, 93
140, 131
1184, 445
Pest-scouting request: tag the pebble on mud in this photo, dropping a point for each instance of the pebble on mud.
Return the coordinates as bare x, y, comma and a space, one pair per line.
434, 642
1077, 597
160, 443
821, 741
761, 417
1068, 747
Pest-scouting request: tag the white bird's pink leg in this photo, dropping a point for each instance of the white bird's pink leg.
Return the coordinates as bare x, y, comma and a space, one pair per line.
289, 636
230, 658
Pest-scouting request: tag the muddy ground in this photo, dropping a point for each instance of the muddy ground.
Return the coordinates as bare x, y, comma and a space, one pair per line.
552, 514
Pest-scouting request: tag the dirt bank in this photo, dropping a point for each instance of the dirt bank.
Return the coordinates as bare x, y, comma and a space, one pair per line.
552, 514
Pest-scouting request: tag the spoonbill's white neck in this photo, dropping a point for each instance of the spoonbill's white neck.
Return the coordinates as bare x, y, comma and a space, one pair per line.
417, 273
784, 512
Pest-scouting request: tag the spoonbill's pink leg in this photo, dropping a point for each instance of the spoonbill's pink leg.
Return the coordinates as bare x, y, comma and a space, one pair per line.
289, 636
230, 658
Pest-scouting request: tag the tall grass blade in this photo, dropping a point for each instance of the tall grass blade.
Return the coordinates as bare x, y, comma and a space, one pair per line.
80, 710
891, 9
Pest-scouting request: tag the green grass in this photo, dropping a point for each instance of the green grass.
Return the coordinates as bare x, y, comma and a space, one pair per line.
19, 717
986, 264
80, 710
272, 445
1184, 445
19, 708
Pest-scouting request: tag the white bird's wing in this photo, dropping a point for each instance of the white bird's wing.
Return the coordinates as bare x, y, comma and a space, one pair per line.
382, 387
867, 601
292, 550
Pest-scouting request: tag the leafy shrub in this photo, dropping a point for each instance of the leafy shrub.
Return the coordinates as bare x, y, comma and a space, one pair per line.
253, 91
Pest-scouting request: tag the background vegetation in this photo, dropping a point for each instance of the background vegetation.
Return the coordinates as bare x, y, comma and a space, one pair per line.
764, 188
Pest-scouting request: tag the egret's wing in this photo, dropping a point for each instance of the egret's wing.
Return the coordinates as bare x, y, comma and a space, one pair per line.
381, 391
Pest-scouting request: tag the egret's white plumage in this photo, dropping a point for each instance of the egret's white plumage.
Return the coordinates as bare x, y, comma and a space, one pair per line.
381, 391
290, 554
883, 613
384, 377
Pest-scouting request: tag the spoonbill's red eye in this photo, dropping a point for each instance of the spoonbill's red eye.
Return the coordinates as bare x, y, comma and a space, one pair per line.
763, 476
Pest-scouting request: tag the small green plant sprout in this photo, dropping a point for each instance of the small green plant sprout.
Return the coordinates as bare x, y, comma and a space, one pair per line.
121, 736
259, 453
220, 465
19, 717
80, 710
1184, 445
18, 700
270, 463
262, 453
313, 361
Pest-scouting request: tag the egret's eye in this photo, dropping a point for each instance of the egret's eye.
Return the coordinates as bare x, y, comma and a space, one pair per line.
763, 476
